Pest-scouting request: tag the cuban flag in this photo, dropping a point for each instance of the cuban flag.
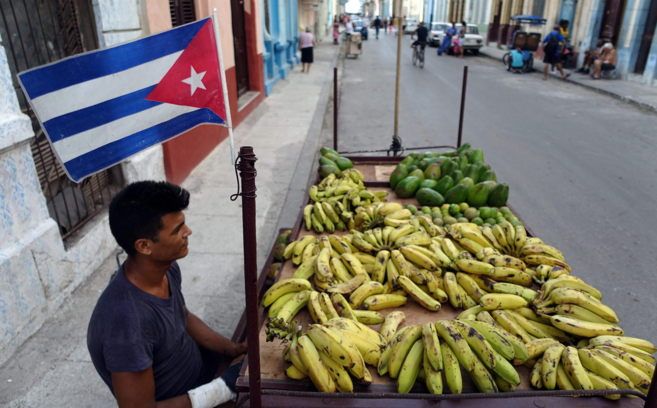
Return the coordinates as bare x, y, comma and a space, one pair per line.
101, 107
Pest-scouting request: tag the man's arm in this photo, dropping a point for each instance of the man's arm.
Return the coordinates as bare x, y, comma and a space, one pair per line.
211, 340
137, 389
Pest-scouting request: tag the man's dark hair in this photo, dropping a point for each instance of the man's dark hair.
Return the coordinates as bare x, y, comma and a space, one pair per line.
136, 211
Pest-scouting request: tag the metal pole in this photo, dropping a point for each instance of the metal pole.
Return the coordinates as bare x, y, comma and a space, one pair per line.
651, 400
463, 89
396, 145
335, 108
246, 167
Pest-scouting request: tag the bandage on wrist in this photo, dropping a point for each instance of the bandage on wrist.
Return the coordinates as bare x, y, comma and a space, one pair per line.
210, 395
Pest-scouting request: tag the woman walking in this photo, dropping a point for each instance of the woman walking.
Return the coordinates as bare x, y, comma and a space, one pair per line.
306, 44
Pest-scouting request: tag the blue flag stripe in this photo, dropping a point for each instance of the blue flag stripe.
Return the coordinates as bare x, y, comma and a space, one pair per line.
112, 153
81, 68
73, 123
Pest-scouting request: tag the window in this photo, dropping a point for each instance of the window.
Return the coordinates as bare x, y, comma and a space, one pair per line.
182, 12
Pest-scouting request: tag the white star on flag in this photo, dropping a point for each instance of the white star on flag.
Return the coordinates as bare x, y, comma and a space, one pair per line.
195, 80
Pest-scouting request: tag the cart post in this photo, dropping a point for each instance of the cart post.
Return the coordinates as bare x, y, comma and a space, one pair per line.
651, 399
463, 89
246, 166
335, 108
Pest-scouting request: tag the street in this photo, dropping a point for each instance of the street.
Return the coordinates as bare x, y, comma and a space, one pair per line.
580, 165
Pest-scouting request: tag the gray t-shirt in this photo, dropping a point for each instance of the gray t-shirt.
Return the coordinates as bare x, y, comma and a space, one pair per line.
131, 330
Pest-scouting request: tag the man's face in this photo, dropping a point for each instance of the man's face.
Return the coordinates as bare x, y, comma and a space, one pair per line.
172, 239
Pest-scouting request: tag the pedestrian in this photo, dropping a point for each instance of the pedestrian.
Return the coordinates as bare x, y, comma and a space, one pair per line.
377, 26
606, 62
552, 44
306, 45
447, 40
385, 26
461, 39
348, 26
403, 25
336, 31
143, 341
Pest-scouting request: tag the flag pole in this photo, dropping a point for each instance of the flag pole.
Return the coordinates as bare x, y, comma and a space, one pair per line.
224, 85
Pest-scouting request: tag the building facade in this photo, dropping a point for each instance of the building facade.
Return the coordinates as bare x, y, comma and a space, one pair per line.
55, 232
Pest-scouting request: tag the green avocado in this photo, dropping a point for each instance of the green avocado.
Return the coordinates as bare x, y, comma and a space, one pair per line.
407, 161
407, 187
499, 195
457, 194
331, 156
429, 197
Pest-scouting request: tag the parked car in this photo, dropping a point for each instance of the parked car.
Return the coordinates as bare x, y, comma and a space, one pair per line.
473, 40
437, 30
411, 25
360, 26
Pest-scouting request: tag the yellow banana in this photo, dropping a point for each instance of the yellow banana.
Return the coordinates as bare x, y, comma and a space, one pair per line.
340, 271
419, 258
513, 289
392, 273
449, 248
487, 232
410, 368
390, 208
457, 343
575, 370
317, 371
500, 237
386, 301
579, 313
401, 349
323, 266
344, 308
477, 343
563, 382
512, 275
299, 246
307, 219
365, 259
391, 323
529, 314
289, 250
510, 234
602, 368
327, 306
329, 341
399, 232
550, 362
600, 383
451, 288
564, 295
642, 365
337, 372
294, 373
282, 287
474, 267
338, 245
369, 317
537, 347
498, 338
306, 269
353, 264
510, 325
416, 238
482, 378
542, 249
315, 308
379, 273
442, 259
432, 346
364, 291
434, 285
546, 260
470, 286
360, 243
642, 344
636, 352
295, 359
506, 261
496, 301
348, 286
535, 374
330, 212
400, 214
520, 237
569, 282
539, 330
293, 306
640, 380
506, 371
452, 370
432, 378
470, 313
278, 304
421, 297
405, 268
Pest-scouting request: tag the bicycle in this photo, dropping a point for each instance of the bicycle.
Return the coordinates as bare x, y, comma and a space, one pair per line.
418, 55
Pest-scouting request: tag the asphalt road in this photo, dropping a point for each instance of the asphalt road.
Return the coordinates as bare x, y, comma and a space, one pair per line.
581, 165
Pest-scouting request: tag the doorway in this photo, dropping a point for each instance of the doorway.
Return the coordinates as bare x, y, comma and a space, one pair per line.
646, 40
612, 19
239, 45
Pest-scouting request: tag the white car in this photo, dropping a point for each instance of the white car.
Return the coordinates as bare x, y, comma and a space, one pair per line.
435, 32
410, 25
473, 41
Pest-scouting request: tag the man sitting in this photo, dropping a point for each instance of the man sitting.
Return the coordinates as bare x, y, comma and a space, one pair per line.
590, 56
606, 62
517, 60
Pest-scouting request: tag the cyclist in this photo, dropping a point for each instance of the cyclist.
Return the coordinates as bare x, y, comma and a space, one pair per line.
422, 33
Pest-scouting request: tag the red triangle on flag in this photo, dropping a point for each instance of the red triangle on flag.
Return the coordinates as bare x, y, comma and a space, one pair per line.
193, 80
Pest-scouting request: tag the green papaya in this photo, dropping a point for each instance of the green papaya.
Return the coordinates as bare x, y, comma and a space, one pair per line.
407, 161
429, 183
448, 166
467, 181
499, 195
424, 163
457, 194
476, 156
429, 197
323, 150
444, 184
463, 162
473, 172
412, 167
488, 175
432, 171
344, 163
398, 175
326, 169
478, 195
457, 175
417, 173
463, 148
331, 156
323, 161
407, 187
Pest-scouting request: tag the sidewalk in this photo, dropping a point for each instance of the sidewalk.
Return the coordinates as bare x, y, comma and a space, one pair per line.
53, 369
641, 95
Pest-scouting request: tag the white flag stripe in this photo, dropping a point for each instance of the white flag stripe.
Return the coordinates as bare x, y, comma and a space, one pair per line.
85, 142
95, 91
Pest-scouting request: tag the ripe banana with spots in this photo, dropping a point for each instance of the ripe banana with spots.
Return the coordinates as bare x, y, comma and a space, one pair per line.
282, 287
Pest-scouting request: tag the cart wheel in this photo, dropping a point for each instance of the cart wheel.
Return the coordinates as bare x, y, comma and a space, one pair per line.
506, 59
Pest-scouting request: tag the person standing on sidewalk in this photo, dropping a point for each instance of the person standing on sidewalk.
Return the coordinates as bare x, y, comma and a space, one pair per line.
552, 44
377, 26
336, 31
447, 39
306, 45
144, 343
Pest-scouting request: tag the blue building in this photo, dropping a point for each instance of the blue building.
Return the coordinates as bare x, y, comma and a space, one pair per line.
281, 35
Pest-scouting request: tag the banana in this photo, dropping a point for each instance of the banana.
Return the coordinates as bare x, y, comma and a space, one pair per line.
379, 273
513, 289
391, 222
389, 208
391, 323
542, 249
306, 270
550, 362
307, 220
487, 232
295, 359
636, 352
319, 213
382, 366
338, 245
539, 330
506, 371
471, 232
563, 382
370, 338
330, 212
340, 271
529, 314
282, 287
312, 192
600, 383
366, 290
642, 344
602, 368
474, 267
471, 246
452, 370
578, 312
536, 348
385, 235
327, 306
289, 250
329, 341
506, 261
348, 286
500, 237
642, 365
470, 286
294, 373
337, 372
434, 285
498, 338
293, 306
344, 308
482, 378
584, 329
470, 313
384, 301
406, 268
419, 258
432, 346
365, 259
369, 317
457, 343
432, 378
410, 368
477, 343
392, 273
399, 232
640, 380
416, 238
317, 371
452, 290
432, 229
535, 375
360, 243
510, 325
276, 307
496, 301
546, 260
353, 264
300, 246
512, 275
323, 266
556, 271
520, 237
569, 282
449, 248
510, 234
400, 214
401, 349
564, 295
421, 297
315, 308
574, 369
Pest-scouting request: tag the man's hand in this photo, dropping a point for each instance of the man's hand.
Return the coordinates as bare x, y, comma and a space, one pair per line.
237, 349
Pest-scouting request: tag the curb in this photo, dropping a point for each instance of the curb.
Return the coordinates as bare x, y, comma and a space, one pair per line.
626, 99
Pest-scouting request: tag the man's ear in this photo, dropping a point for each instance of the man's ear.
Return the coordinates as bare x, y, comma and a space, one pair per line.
143, 246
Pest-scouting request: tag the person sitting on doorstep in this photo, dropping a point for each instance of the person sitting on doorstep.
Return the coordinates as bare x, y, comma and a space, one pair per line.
606, 62
590, 56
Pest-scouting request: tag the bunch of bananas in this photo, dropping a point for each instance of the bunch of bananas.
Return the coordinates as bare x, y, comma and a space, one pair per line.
601, 363
335, 199
575, 307
438, 350
331, 354
379, 215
